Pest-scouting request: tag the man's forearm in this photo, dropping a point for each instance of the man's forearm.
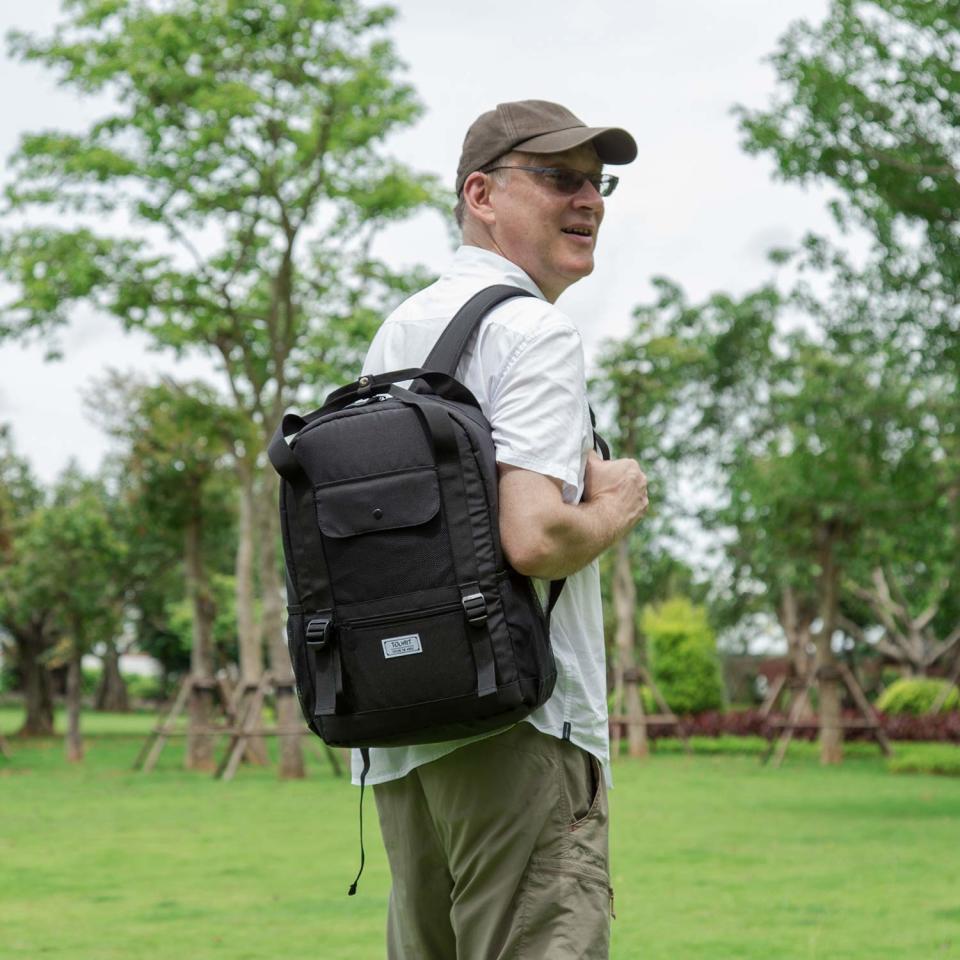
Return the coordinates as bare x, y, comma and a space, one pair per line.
543, 536
565, 541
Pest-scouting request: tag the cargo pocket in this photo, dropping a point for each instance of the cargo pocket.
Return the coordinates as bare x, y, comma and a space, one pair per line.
400, 661
564, 912
565, 898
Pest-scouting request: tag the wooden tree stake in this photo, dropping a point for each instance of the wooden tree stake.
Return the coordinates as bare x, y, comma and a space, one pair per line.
241, 709
952, 681
619, 723
795, 720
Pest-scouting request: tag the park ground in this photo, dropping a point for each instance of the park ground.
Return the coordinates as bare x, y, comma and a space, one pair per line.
713, 857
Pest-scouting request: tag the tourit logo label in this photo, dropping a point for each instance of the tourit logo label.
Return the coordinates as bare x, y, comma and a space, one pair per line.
402, 646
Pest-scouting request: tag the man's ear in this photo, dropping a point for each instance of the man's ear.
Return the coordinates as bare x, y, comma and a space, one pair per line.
476, 197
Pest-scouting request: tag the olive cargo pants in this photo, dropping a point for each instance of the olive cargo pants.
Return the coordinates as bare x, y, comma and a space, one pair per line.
498, 851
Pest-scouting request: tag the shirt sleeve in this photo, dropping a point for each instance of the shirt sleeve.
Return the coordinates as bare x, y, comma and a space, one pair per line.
539, 407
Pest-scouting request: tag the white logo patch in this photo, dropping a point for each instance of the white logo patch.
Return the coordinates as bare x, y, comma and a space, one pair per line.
402, 646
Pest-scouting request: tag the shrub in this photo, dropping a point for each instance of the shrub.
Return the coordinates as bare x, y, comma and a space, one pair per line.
90, 680
144, 687
8, 678
916, 696
683, 654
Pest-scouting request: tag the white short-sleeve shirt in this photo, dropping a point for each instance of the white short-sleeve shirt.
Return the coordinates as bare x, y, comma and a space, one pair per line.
526, 369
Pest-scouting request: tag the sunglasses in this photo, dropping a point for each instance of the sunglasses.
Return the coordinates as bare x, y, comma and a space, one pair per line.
567, 181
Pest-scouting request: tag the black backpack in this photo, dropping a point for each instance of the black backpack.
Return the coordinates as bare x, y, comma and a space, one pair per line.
406, 623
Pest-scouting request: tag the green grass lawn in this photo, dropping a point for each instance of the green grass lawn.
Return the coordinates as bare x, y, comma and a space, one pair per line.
713, 857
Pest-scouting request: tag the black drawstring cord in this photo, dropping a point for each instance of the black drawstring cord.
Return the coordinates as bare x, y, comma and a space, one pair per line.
365, 753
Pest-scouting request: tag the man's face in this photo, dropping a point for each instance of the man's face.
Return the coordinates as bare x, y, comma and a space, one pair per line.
550, 235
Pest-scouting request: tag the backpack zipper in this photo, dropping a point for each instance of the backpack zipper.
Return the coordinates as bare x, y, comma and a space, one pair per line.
449, 607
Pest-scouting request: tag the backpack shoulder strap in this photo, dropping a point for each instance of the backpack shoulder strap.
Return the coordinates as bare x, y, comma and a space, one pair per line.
446, 353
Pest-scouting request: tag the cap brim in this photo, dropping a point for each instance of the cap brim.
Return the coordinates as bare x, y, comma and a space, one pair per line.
613, 145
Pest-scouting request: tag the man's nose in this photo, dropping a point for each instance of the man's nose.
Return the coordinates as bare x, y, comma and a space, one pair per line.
588, 197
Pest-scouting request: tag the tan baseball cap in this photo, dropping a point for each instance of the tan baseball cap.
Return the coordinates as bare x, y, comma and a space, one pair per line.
537, 126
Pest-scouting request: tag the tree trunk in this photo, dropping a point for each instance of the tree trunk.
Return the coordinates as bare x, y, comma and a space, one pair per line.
628, 693
796, 618
831, 732
74, 743
199, 743
249, 639
31, 644
288, 710
112, 691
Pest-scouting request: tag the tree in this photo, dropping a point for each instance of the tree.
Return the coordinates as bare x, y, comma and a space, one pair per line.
72, 564
863, 316
27, 623
909, 635
111, 695
838, 460
179, 440
822, 447
640, 384
869, 100
245, 150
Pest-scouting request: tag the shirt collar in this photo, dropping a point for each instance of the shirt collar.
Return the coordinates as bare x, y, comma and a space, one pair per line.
479, 262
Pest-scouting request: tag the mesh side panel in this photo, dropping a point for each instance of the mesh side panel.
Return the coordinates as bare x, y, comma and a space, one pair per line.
415, 558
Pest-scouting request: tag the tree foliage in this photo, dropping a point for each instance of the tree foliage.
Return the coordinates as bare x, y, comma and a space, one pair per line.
245, 149
78, 560
227, 202
869, 100
177, 443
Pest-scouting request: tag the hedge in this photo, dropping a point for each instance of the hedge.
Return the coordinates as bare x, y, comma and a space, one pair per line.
941, 727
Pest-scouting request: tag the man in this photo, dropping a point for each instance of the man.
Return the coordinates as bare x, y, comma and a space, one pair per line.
498, 845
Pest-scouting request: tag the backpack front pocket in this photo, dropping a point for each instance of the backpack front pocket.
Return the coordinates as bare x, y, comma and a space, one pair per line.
384, 534
406, 659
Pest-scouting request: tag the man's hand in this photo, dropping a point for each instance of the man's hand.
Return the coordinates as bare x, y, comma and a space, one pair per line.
621, 482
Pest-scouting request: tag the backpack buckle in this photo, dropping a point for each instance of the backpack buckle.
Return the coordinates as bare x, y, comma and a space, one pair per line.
475, 607
319, 632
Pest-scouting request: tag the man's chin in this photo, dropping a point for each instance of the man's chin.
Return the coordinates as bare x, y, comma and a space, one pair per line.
580, 269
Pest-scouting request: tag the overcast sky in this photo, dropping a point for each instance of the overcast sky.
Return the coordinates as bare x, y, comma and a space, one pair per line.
693, 207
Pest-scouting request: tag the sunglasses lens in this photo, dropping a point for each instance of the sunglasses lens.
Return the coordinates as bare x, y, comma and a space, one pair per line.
568, 181
571, 181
